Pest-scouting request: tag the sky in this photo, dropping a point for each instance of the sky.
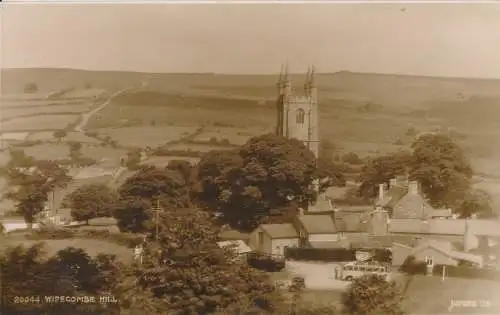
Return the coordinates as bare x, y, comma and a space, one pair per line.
455, 40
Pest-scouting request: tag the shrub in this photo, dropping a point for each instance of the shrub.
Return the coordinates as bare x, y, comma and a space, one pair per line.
30, 88
352, 158
412, 267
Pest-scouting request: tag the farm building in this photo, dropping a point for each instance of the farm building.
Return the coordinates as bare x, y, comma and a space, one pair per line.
273, 238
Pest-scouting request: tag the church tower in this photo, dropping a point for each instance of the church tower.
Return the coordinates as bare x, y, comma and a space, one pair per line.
297, 116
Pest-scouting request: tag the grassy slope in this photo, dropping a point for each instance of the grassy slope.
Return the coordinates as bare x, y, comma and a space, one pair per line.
365, 113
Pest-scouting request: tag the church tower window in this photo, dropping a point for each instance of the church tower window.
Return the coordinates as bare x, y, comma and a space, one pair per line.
300, 116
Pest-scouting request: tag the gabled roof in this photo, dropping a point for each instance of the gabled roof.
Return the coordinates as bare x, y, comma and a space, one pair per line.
322, 204
447, 249
276, 231
432, 226
350, 222
229, 235
239, 246
317, 224
482, 227
391, 197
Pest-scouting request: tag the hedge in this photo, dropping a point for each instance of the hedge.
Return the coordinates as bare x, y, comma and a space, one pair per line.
125, 239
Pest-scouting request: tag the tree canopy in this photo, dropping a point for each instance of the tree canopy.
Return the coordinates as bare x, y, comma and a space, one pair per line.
191, 275
372, 295
30, 186
29, 272
262, 175
140, 193
442, 169
436, 162
92, 201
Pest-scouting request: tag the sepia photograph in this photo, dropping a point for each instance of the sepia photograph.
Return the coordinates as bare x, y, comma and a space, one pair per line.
239, 158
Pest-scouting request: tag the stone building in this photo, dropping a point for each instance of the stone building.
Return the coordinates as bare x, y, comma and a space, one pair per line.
298, 114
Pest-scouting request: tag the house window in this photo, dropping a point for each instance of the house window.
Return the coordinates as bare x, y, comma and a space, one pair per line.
429, 261
300, 116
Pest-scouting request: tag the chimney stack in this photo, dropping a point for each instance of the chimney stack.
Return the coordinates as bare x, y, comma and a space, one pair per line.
380, 191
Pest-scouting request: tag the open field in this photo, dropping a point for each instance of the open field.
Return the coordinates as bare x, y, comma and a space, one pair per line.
236, 136
365, 113
197, 147
70, 136
162, 161
141, 137
10, 113
42, 122
84, 93
17, 136
438, 295
92, 247
48, 151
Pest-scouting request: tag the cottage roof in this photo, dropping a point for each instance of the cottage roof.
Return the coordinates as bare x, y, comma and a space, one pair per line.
317, 224
350, 222
433, 226
391, 197
447, 249
283, 230
239, 246
483, 227
233, 235
322, 204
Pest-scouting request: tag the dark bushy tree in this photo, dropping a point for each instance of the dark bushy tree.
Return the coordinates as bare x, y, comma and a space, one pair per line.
143, 190
28, 272
262, 175
31, 187
372, 295
92, 201
442, 168
381, 169
191, 275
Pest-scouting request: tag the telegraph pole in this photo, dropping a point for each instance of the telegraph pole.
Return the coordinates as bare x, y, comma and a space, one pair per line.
156, 210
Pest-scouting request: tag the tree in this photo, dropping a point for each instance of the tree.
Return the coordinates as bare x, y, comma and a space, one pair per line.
18, 158
141, 191
60, 134
372, 295
381, 169
476, 201
75, 151
30, 88
352, 158
133, 159
191, 275
28, 272
92, 201
329, 174
33, 186
263, 175
442, 169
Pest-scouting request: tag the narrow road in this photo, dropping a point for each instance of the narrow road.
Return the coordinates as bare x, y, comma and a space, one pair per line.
86, 116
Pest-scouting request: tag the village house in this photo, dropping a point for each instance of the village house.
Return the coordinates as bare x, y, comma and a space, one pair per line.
315, 230
273, 239
432, 253
403, 200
